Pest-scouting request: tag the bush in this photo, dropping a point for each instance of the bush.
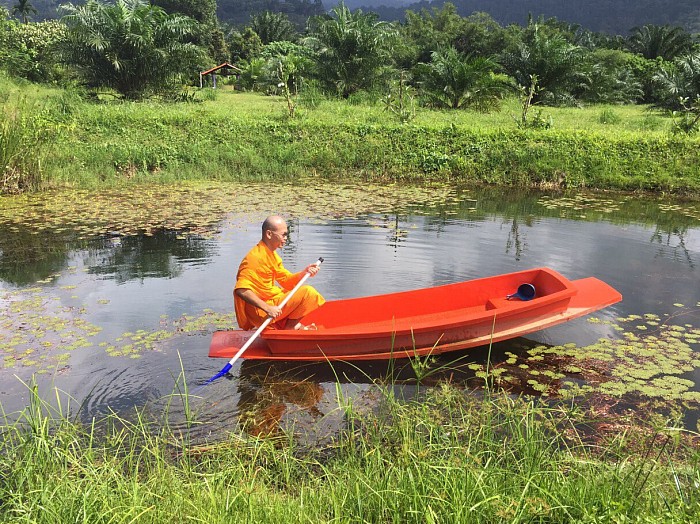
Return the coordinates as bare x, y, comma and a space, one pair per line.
679, 81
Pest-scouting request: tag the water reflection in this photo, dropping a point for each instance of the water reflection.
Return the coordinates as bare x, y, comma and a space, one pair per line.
675, 241
162, 255
27, 256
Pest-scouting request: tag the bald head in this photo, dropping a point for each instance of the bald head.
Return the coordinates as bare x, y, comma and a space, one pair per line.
273, 223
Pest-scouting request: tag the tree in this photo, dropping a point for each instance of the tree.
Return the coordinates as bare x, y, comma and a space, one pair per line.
244, 46
273, 27
456, 81
351, 47
654, 41
206, 33
552, 59
427, 31
203, 11
132, 47
23, 9
288, 62
481, 35
608, 78
679, 82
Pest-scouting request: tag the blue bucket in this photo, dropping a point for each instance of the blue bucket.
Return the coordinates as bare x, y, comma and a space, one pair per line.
525, 292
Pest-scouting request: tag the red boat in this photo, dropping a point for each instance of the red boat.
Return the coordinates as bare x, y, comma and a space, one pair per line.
428, 321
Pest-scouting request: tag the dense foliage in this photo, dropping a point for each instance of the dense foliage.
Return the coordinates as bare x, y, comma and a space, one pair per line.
31, 50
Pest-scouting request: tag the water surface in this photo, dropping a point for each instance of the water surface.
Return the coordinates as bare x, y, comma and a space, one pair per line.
115, 320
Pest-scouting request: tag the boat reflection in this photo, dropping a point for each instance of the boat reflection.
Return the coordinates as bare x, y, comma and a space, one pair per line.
308, 398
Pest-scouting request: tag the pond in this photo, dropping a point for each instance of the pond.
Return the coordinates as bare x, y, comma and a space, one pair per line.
111, 298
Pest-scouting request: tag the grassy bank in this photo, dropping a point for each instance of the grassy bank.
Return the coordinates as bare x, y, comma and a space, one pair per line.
447, 458
238, 136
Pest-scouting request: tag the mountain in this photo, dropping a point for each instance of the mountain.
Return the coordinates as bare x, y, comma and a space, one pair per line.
46, 9
238, 12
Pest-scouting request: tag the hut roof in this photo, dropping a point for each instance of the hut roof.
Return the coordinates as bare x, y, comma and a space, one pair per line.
225, 65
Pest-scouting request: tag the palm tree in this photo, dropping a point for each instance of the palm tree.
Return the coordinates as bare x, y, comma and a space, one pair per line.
551, 59
131, 46
679, 83
654, 41
606, 77
272, 27
351, 48
457, 81
23, 9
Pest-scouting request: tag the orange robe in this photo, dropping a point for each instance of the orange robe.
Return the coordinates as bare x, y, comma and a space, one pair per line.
259, 271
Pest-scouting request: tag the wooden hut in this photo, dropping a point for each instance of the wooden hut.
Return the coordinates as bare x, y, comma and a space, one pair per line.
224, 69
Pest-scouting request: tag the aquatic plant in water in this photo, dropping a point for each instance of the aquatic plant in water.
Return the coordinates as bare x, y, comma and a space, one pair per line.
40, 326
649, 360
587, 206
192, 208
39, 332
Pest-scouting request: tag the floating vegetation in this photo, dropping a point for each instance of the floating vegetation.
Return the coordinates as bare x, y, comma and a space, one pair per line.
596, 206
38, 332
133, 344
648, 361
43, 228
200, 208
688, 210
579, 205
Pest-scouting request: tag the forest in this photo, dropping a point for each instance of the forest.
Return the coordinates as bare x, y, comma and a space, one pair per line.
443, 58
436, 59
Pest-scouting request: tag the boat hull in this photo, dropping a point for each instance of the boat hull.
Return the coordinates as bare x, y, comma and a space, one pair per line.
428, 321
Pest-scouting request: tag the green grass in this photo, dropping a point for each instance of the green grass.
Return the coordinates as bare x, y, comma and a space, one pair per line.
21, 137
449, 457
243, 136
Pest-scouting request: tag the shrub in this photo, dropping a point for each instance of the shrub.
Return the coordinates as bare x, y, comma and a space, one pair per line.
679, 81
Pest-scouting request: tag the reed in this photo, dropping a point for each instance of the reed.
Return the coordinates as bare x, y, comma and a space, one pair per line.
449, 457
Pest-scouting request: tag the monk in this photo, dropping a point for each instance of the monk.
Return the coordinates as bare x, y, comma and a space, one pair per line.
255, 295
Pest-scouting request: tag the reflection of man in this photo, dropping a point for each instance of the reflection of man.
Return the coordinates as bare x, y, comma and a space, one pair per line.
256, 296
264, 397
